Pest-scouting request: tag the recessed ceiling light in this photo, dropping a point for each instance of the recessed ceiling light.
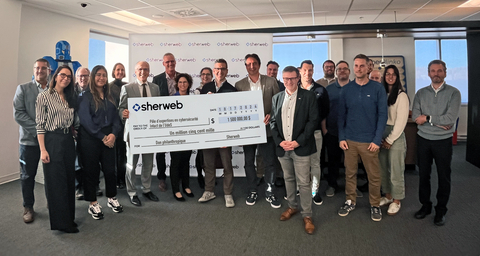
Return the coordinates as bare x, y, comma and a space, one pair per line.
471, 3
157, 16
131, 18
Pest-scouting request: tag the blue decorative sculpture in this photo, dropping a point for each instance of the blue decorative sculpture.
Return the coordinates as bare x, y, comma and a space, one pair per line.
62, 52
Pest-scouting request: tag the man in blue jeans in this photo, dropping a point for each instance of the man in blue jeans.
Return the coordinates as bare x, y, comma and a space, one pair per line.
24, 113
435, 110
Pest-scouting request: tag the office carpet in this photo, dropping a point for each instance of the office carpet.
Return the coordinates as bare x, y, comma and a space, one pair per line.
169, 227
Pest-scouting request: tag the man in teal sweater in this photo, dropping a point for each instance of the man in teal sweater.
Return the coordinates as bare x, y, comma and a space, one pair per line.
435, 110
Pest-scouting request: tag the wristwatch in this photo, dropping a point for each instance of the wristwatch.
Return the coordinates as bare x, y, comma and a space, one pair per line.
428, 119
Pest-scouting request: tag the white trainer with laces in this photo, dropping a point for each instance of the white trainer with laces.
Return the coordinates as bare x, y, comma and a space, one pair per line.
229, 203
393, 208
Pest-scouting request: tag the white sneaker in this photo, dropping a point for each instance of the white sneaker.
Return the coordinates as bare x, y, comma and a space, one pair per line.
229, 203
385, 201
207, 196
393, 208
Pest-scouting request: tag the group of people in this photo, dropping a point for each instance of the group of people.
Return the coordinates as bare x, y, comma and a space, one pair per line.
87, 121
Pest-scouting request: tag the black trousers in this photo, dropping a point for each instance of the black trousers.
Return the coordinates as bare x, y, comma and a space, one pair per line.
95, 153
60, 179
441, 152
267, 151
199, 163
180, 169
29, 157
334, 153
121, 156
161, 166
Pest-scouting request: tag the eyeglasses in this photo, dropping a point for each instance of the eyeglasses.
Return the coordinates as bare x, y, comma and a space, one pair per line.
63, 76
100, 75
342, 69
41, 68
290, 79
390, 74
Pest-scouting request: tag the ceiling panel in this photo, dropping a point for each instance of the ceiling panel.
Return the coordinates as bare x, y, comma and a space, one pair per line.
369, 5
406, 4
359, 17
268, 21
295, 7
457, 14
388, 16
337, 5
444, 4
124, 5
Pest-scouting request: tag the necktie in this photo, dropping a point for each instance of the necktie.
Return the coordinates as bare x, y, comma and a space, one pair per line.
144, 93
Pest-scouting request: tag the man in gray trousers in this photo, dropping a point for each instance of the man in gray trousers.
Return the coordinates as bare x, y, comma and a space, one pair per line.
29, 151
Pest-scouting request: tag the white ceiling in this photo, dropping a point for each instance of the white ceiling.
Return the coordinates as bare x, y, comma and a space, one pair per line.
254, 14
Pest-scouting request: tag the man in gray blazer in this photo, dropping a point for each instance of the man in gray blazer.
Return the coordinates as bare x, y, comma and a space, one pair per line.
29, 151
293, 121
268, 86
139, 88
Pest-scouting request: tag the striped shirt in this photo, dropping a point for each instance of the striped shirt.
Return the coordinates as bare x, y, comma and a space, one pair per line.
53, 113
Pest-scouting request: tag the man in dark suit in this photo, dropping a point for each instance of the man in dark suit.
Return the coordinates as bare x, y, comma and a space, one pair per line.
220, 85
323, 106
29, 151
166, 85
272, 71
139, 88
268, 86
293, 121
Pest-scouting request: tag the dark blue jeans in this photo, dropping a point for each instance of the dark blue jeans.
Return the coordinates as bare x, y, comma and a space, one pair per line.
267, 151
29, 157
441, 152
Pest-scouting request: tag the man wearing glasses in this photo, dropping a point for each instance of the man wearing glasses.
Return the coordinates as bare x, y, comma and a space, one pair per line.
328, 74
334, 152
293, 121
29, 151
220, 85
82, 76
166, 84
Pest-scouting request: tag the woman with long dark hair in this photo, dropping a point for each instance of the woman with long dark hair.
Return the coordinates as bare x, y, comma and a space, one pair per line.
99, 126
56, 119
393, 150
180, 160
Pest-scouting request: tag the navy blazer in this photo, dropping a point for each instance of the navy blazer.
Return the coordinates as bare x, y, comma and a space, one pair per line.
304, 122
161, 81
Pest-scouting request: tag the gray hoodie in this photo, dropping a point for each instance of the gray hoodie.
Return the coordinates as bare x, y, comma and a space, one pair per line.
442, 107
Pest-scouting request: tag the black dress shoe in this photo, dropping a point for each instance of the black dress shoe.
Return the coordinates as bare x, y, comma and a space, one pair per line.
439, 219
70, 230
180, 199
424, 211
135, 201
151, 196
188, 194
120, 185
260, 181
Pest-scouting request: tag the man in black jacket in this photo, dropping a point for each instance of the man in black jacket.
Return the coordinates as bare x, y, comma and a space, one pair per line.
323, 106
293, 121
220, 85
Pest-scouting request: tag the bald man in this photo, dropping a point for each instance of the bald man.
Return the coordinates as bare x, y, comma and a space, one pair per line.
376, 76
82, 76
139, 88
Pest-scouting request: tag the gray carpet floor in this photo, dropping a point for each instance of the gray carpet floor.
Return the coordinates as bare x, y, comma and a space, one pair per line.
169, 227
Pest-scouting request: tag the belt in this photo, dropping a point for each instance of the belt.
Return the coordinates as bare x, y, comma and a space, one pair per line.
62, 130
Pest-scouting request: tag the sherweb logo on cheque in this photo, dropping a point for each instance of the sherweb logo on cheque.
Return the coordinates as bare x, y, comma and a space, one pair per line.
160, 106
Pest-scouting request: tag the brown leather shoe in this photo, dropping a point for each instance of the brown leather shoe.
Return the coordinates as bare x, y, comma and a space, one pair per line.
309, 227
162, 185
286, 215
28, 215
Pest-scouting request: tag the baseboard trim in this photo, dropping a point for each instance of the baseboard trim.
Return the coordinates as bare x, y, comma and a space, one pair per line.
9, 178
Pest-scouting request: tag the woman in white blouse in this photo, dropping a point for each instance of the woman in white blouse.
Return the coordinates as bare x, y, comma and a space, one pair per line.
393, 150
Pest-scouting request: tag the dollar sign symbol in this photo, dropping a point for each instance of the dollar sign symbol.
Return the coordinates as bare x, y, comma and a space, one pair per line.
213, 121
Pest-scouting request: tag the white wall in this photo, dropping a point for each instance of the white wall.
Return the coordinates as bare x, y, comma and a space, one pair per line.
29, 33
9, 29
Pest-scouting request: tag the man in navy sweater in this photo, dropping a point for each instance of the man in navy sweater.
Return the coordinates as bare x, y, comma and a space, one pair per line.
361, 120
